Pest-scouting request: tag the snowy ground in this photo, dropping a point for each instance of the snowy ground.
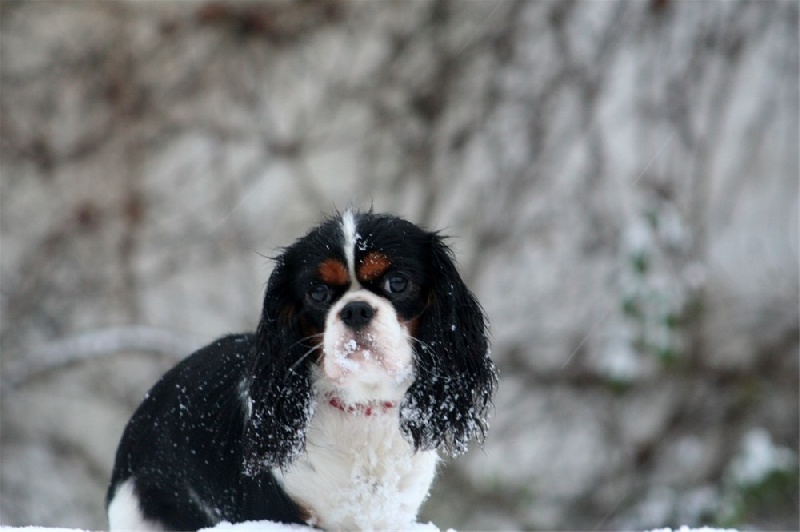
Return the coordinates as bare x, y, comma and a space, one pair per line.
250, 526
253, 526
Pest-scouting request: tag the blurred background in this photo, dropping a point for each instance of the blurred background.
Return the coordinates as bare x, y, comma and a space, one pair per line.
619, 178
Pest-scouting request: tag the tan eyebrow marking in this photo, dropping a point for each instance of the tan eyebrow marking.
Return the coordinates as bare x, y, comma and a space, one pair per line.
373, 265
333, 271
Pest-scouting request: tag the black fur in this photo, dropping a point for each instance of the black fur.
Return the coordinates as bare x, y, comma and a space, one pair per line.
448, 403
280, 383
185, 443
280, 380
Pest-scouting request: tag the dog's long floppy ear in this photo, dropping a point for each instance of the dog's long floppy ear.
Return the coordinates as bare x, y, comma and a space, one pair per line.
279, 390
448, 404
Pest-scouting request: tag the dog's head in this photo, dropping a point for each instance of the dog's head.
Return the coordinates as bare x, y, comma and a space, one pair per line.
368, 312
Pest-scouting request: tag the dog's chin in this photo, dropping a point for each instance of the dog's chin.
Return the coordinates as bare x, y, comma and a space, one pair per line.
361, 372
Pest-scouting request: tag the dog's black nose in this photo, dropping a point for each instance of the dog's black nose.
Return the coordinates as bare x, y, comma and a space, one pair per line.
356, 314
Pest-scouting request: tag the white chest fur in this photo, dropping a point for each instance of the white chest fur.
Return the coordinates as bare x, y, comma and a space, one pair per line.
358, 472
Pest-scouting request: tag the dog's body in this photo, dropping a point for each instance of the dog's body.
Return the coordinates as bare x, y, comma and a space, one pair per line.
178, 460
370, 356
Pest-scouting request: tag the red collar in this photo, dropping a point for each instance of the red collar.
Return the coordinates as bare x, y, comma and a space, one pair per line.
365, 409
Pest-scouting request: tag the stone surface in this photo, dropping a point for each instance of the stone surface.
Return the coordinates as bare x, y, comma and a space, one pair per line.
620, 180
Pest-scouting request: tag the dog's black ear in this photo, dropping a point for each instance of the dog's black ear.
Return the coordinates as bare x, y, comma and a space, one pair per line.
448, 403
279, 387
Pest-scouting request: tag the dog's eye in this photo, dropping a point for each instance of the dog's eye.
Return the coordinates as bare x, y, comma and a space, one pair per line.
395, 283
319, 294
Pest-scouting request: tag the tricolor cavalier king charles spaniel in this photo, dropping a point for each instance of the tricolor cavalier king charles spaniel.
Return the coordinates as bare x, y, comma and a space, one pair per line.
370, 358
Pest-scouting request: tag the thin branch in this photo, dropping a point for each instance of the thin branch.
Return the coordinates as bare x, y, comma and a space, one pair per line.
50, 358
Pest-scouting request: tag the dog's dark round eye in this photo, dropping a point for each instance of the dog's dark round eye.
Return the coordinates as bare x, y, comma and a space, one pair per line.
319, 294
395, 283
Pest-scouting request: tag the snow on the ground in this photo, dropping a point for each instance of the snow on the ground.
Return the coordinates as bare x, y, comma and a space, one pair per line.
5, 528
689, 529
254, 526
267, 526
249, 526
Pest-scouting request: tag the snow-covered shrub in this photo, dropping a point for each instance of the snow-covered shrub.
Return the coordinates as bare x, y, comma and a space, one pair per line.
760, 476
657, 284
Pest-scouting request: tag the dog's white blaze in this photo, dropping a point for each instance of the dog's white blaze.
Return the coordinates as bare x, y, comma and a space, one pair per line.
124, 512
350, 232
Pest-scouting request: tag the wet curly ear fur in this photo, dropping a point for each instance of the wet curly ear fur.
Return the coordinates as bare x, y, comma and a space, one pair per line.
279, 388
448, 403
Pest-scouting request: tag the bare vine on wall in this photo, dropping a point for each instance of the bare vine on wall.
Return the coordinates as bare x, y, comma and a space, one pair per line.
616, 178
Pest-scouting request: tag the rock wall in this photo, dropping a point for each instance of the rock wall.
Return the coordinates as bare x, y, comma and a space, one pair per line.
620, 180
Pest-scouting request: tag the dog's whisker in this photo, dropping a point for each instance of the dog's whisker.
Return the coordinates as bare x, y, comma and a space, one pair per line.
307, 338
302, 358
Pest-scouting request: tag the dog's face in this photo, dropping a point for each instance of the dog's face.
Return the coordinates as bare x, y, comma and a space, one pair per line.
369, 308
359, 302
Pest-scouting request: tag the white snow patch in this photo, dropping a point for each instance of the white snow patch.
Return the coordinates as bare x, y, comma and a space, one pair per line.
620, 361
41, 529
268, 526
685, 528
342, 357
759, 457
257, 525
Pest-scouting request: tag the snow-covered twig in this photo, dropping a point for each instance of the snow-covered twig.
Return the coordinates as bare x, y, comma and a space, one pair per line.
77, 349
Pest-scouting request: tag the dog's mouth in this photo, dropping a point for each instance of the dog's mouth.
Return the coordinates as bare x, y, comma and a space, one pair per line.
358, 346
353, 352
363, 371
365, 408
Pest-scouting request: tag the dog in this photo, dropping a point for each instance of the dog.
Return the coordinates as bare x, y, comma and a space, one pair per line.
371, 358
